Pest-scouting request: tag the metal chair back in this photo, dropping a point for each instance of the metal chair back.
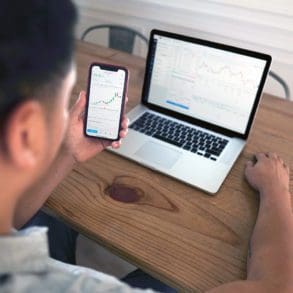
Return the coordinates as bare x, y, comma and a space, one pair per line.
120, 37
282, 82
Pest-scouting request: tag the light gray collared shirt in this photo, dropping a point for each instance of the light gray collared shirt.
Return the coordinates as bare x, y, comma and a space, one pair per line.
25, 266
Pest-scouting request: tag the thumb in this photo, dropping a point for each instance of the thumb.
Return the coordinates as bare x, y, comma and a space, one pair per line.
81, 101
249, 164
79, 105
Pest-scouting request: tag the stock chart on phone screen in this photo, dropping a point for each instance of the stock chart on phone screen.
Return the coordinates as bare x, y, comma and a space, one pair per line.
105, 99
213, 85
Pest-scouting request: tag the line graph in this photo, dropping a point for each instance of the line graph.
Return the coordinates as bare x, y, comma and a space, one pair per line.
239, 75
227, 78
105, 101
215, 85
216, 69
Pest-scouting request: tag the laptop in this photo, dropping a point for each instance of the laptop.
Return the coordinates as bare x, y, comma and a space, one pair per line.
198, 105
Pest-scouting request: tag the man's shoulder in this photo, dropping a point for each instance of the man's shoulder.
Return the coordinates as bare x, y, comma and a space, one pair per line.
60, 281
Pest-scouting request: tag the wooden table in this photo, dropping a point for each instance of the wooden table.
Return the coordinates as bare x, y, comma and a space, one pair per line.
177, 233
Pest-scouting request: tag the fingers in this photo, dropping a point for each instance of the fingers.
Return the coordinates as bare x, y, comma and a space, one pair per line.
123, 133
124, 130
260, 156
81, 101
116, 144
249, 164
272, 156
125, 103
78, 108
125, 122
277, 158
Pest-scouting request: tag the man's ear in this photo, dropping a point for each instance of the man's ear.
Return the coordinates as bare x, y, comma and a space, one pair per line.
26, 135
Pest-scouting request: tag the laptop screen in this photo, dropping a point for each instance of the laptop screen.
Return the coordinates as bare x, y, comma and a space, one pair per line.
210, 84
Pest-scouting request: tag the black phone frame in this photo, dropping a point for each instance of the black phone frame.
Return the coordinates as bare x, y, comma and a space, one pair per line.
109, 67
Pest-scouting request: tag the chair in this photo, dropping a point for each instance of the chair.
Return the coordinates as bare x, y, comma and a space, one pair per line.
280, 80
120, 37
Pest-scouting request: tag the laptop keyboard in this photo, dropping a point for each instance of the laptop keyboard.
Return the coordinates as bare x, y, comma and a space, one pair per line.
190, 139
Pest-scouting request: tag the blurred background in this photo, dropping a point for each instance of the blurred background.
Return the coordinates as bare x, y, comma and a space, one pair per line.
265, 26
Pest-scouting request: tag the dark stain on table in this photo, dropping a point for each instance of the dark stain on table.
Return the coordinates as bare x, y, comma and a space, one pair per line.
123, 193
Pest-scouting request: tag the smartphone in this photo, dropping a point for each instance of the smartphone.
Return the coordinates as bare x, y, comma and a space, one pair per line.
107, 87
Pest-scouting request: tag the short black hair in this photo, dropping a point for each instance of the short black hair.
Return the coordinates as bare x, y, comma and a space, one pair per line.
36, 48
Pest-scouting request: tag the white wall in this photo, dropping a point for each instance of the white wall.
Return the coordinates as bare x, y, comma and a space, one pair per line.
266, 26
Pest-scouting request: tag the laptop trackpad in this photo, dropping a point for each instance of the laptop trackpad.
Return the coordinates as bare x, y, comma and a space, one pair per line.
156, 153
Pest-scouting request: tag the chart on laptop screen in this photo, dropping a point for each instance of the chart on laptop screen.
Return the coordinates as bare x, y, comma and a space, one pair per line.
213, 85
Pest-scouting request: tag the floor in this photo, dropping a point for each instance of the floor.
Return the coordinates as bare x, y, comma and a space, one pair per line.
92, 255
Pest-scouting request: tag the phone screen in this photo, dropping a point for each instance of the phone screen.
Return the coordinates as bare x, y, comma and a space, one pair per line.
106, 92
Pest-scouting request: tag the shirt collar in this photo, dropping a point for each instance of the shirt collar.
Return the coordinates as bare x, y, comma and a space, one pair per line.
24, 251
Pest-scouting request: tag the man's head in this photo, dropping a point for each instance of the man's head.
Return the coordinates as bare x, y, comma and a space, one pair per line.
36, 78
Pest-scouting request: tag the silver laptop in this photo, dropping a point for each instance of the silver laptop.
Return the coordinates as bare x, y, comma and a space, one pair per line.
198, 104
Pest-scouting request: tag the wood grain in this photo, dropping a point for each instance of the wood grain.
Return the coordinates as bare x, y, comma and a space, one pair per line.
177, 233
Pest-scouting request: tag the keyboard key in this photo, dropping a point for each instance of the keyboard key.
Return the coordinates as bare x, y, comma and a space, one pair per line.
196, 141
194, 150
161, 137
188, 148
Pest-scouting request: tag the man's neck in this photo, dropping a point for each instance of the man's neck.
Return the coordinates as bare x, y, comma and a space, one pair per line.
8, 201
6, 215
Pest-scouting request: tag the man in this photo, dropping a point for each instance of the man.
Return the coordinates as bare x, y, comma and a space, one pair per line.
41, 142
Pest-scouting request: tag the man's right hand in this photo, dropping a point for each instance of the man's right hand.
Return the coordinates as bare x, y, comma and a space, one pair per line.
79, 147
268, 174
